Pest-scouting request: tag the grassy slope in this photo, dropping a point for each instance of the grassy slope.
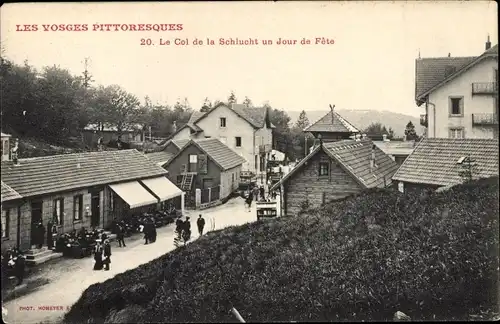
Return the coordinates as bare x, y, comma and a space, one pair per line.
365, 257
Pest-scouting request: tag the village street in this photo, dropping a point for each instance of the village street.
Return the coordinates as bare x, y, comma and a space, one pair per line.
68, 278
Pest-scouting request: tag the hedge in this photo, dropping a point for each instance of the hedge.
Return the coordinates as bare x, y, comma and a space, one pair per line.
431, 256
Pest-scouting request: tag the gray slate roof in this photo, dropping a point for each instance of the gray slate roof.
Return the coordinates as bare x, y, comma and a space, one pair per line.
8, 193
337, 124
56, 173
161, 157
217, 151
354, 157
434, 160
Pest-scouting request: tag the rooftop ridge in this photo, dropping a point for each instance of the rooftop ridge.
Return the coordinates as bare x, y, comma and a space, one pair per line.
78, 154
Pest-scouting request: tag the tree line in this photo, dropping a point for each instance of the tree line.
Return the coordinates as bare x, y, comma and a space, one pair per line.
55, 105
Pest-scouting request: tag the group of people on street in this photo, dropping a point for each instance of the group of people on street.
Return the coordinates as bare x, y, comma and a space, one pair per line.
258, 193
149, 230
14, 263
183, 228
102, 254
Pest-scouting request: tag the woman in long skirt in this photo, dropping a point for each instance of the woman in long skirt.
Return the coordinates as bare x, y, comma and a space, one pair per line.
98, 257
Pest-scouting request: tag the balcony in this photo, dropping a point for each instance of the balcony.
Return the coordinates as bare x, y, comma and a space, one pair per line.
423, 120
484, 88
484, 119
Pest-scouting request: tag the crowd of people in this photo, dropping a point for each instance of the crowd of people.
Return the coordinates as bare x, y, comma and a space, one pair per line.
258, 193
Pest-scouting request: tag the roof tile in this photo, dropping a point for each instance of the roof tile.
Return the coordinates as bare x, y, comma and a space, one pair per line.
8, 193
434, 160
220, 153
356, 156
56, 173
338, 125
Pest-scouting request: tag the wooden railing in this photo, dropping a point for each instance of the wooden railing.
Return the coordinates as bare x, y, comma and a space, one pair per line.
485, 119
490, 88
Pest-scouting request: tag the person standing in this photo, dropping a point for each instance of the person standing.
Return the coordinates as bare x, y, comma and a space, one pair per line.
262, 193
147, 231
255, 192
19, 267
201, 224
248, 202
187, 230
153, 230
98, 255
107, 255
121, 235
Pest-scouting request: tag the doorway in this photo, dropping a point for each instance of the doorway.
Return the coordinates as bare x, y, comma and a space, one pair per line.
95, 208
36, 218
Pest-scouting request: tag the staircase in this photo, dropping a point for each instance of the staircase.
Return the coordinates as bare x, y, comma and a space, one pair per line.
187, 182
39, 256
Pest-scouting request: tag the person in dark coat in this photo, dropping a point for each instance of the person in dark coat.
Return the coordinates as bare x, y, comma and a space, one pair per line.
50, 238
153, 230
147, 231
120, 235
19, 267
187, 230
98, 251
41, 235
107, 255
262, 193
201, 224
248, 202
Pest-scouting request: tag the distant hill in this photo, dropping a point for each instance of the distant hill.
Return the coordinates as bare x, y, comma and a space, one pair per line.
362, 118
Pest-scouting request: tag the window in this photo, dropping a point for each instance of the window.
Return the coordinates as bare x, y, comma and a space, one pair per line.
238, 141
5, 145
193, 158
5, 223
456, 133
456, 106
59, 211
78, 207
323, 168
232, 177
223, 122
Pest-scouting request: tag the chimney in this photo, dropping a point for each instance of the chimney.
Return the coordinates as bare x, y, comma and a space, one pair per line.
358, 137
363, 136
384, 137
488, 44
372, 158
404, 138
449, 54
14, 152
174, 126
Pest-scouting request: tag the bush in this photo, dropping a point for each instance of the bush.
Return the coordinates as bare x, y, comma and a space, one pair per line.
432, 256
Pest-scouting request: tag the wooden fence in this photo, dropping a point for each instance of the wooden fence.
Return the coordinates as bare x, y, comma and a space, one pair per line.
210, 194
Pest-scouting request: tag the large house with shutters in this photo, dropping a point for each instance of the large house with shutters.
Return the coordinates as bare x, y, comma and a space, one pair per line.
333, 171
245, 130
78, 190
206, 169
460, 95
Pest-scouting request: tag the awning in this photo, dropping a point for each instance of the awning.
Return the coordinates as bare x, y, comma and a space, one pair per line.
162, 188
134, 194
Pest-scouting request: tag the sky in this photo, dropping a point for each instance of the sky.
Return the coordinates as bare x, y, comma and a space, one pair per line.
371, 64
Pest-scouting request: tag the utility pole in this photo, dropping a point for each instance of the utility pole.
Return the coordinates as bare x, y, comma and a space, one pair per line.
87, 78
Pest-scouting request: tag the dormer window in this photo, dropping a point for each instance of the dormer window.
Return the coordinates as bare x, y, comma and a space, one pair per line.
222, 122
323, 168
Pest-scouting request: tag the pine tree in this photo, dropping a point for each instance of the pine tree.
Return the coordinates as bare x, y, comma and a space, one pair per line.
303, 121
247, 102
232, 98
410, 132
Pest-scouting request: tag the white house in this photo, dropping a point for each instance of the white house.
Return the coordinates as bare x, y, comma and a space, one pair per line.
246, 130
459, 95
